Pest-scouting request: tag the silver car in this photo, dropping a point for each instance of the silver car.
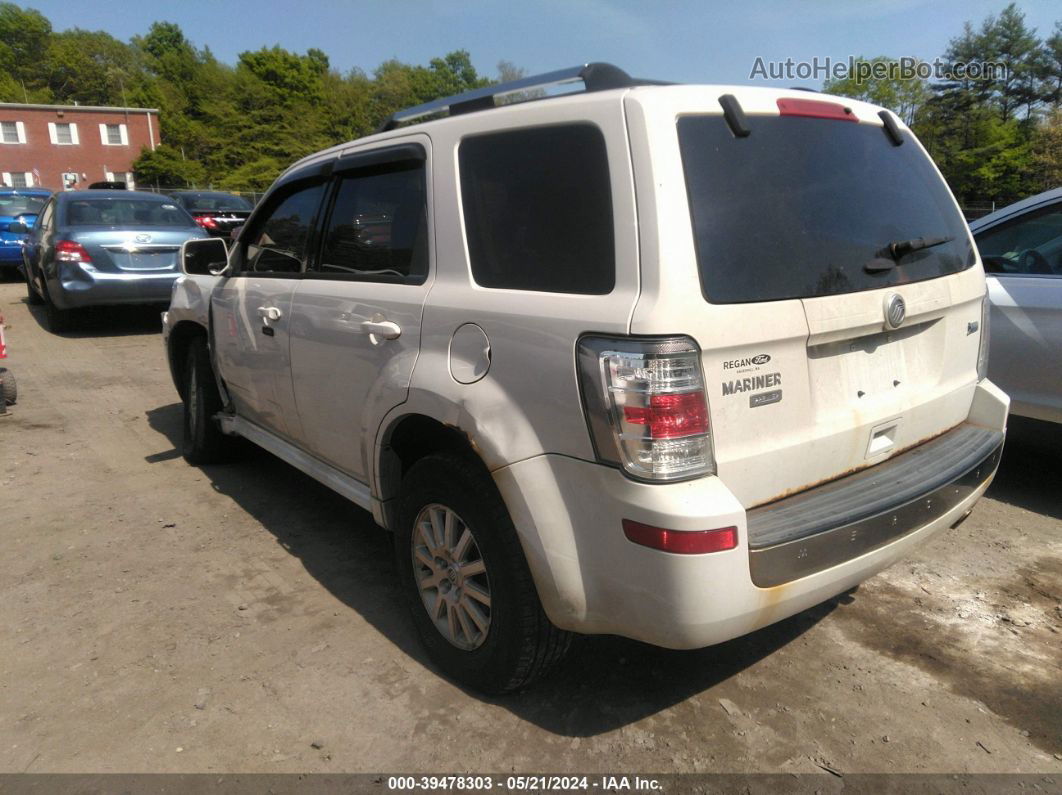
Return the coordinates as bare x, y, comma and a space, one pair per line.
1021, 247
104, 247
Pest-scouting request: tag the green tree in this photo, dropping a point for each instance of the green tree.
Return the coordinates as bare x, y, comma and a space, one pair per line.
902, 96
166, 167
24, 37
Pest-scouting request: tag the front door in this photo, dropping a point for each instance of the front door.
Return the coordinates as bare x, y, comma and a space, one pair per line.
1023, 258
356, 316
252, 308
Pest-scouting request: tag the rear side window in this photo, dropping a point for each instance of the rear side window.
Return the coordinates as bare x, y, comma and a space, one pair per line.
538, 209
800, 205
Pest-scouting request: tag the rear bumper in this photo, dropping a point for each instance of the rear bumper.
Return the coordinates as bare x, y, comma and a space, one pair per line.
78, 286
569, 515
825, 526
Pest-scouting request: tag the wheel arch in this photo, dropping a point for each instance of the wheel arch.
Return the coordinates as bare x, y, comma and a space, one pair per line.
181, 337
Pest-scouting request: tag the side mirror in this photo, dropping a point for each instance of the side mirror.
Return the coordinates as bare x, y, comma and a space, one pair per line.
18, 228
204, 257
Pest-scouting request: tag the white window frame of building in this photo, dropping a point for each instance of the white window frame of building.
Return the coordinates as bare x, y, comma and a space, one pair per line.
68, 184
109, 132
17, 179
9, 127
53, 133
120, 176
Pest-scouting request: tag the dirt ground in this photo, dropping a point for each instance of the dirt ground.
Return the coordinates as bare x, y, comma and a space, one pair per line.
243, 618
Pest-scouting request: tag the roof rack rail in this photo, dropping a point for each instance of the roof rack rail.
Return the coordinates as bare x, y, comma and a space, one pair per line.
595, 77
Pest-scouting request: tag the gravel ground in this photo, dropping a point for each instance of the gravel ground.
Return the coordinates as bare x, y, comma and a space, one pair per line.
243, 618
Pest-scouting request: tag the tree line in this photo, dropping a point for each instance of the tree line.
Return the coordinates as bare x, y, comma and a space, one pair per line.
996, 137
236, 127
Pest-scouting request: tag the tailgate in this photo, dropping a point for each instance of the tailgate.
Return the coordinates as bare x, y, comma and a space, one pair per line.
801, 226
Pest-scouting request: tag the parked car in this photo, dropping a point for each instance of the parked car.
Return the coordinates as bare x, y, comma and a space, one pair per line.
218, 213
19, 208
1021, 247
101, 247
708, 358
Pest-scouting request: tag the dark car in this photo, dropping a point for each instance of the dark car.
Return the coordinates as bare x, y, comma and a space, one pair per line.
102, 247
218, 213
18, 211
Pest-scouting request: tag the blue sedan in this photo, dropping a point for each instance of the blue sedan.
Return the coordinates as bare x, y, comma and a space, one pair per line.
104, 247
18, 207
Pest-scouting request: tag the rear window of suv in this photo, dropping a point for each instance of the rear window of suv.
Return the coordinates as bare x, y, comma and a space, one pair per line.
538, 209
800, 205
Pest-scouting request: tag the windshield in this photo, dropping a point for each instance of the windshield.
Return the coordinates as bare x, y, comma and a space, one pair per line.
125, 212
799, 206
20, 204
214, 201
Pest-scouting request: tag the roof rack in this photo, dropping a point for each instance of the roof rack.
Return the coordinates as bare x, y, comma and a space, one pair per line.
595, 77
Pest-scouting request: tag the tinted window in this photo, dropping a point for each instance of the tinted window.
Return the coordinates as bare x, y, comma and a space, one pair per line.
213, 201
797, 208
17, 204
378, 226
125, 212
538, 209
280, 240
1031, 244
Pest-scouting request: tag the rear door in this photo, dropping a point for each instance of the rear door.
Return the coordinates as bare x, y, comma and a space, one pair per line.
1023, 257
792, 212
252, 308
356, 316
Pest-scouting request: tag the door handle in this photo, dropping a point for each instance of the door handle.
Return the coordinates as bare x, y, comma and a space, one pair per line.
269, 313
384, 329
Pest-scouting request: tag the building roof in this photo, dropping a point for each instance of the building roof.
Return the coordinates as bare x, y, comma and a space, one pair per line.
93, 108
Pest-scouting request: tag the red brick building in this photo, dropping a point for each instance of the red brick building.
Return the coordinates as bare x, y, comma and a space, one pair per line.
71, 146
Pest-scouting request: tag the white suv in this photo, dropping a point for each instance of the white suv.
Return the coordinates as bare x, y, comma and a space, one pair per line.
668, 362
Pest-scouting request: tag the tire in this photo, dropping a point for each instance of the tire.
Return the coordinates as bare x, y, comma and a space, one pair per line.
33, 298
517, 644
8, 387
203, 442
59, 320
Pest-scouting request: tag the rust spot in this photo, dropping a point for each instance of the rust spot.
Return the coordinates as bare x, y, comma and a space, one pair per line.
847, 472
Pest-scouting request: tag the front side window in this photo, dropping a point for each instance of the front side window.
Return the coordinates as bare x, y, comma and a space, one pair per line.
377, 230
280, 241
1029, 245
538, 209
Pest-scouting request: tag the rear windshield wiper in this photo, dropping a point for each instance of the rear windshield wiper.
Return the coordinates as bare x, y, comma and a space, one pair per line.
888, 256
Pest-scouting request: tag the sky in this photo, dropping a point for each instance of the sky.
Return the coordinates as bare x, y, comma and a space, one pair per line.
674, 40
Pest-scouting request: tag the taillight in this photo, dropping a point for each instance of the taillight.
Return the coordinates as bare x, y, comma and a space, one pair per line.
69, 251
206, 221
646, 406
